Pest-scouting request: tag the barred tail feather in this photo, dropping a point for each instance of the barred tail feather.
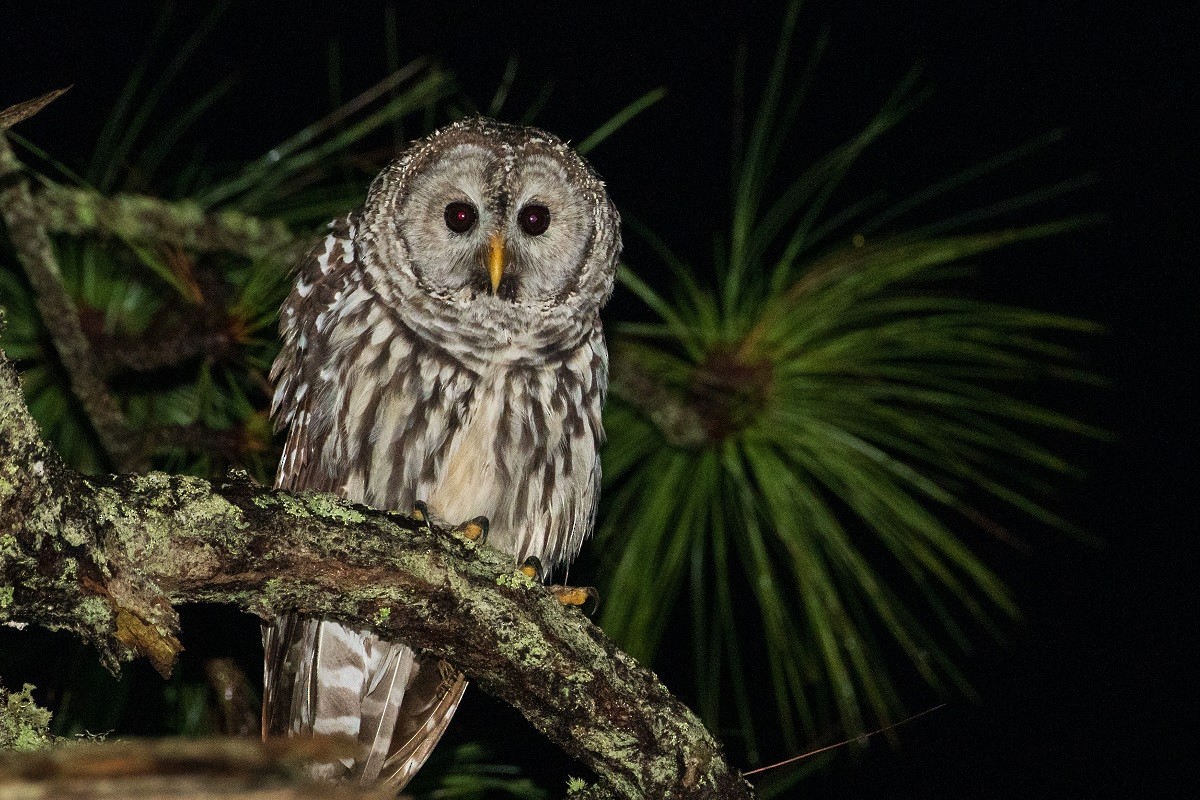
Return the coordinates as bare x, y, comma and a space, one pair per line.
382, 702
326, 678
432, 699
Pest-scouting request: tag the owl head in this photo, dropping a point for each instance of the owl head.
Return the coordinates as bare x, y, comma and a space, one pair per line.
495, 227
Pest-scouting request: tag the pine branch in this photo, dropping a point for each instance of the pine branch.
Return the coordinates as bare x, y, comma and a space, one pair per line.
182, 224
109, 558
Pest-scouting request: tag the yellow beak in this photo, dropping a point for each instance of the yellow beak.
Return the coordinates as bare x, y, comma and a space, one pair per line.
496, 260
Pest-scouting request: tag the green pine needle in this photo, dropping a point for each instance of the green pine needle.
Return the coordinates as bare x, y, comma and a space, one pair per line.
859, 417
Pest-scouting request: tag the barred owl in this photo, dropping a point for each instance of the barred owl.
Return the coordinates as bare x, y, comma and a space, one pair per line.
441, 345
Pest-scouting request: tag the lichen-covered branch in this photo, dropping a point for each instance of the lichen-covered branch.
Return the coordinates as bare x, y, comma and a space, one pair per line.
182, 224
108, 558
27, 230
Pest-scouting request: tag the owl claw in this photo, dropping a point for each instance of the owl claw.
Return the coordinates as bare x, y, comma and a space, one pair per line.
532, 568
421, 514
474, 529
586, 598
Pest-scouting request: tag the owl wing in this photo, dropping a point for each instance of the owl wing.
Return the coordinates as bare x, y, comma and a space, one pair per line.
320, 676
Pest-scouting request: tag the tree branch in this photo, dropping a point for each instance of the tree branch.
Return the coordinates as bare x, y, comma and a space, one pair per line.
183, 224
108, 558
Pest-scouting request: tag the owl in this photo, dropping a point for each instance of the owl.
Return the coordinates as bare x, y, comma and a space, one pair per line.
442, 346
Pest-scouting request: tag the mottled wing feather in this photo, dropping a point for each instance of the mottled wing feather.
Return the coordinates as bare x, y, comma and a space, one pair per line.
297, 369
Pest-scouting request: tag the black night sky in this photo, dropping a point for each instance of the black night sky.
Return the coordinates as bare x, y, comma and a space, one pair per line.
1090, 695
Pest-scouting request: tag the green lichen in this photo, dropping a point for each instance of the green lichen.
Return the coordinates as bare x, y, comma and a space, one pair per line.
289, 504
74, 535
93, 613
272, 591
24, 725
581, 676
383, 615
6, 596
70, 572
515, 580
205, 509
158, 486
333, 509
263, 501
575, 785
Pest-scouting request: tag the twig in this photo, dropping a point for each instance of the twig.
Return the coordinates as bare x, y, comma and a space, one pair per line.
23, 111
680, 422
844, 742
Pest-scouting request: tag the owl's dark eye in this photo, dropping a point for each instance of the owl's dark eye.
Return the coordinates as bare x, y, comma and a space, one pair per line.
460, 217
534, 219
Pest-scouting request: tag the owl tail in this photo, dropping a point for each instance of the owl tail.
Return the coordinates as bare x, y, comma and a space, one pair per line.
323, 677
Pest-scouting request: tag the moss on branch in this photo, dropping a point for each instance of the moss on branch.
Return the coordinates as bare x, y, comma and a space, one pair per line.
24, 725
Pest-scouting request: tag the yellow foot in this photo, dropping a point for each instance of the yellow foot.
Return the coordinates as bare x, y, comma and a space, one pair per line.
585, 597
532, 568
474, 529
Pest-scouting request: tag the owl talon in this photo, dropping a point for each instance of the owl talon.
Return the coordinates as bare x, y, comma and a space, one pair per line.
532, 568
474, 529
586, 598
421, 514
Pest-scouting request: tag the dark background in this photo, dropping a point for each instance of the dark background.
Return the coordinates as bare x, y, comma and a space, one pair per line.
1092, 695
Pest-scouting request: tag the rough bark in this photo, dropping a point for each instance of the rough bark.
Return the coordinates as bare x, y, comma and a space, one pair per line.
108, 559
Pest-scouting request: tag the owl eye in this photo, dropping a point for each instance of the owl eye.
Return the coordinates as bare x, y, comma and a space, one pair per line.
534, 219
460, 217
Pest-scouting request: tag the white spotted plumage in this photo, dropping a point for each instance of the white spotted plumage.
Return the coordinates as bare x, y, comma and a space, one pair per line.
406, 376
